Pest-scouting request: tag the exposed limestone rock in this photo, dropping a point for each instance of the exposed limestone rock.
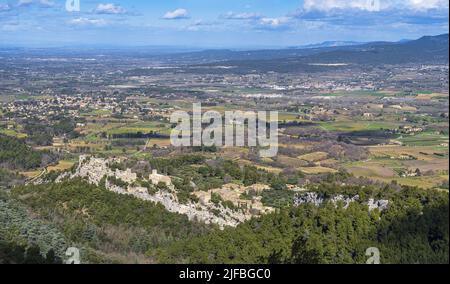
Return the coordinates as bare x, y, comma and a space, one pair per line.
378, 204
126, 176
314, 198
346, 200
233, 193
308, 197
156, 178
95, 169
193, 211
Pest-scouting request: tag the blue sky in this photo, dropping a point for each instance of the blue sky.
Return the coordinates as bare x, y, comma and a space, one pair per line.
217, 23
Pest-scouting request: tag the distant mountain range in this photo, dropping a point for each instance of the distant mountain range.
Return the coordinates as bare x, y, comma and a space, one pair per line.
428, 49
425, 49
310, 58
328, 44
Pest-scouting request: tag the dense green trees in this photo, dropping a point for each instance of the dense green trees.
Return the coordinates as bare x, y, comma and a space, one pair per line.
8, 178
15, 154
413, 230
109, 227
42, 133
106, 222
24, 239
208, 174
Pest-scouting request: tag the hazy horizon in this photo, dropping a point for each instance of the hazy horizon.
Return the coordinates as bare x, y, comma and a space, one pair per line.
184, 48
222, 24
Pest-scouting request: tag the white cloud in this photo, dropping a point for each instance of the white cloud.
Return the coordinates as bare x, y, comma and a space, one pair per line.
176, 14
241, 16
274, 23
41, 3
109, 8
202, 25
374, 5
428, 4
46, 3
374, 12
87, 22
4, 7
10, 27
328, 5
24, 2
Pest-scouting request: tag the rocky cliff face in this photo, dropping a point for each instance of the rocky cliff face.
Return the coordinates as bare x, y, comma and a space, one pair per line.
317, 200
95, 169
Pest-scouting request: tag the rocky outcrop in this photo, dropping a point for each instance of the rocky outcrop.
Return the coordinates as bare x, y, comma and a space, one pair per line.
156, 178
94, 170
317, 200
233, 193
308, 197
344, 200
194, 211
381, 205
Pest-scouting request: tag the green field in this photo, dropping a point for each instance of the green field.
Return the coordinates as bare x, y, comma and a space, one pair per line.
425, 139
349, 126
13, 133
143, 127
